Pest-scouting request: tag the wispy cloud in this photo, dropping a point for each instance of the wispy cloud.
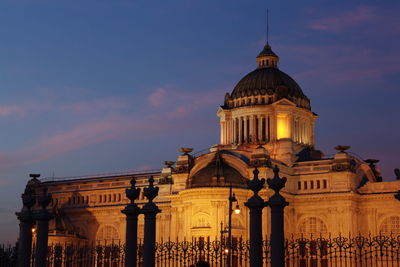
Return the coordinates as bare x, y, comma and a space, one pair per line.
340, 64
35, 107
109, 104
158, 97
180, 104
119, 122
11, 110
365, 19
341, 22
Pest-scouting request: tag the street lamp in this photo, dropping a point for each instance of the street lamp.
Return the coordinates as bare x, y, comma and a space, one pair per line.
231, 199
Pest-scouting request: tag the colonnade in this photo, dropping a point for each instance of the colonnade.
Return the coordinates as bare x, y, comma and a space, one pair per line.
262, 128
302, 132
246, 129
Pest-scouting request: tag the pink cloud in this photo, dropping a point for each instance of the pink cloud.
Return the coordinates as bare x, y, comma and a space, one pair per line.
157, 98
111, 103
11, 110
340, 64
169, 116
180, 104
343, 21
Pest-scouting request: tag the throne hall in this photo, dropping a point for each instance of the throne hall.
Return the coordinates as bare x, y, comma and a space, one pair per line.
266, 120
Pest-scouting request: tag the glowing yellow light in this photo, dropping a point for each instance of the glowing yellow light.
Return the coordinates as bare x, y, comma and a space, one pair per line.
226, 250
237, 209
283, 129
33, 230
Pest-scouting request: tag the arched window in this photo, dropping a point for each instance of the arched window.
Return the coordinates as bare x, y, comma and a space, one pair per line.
107, 233
390, 225
312, 225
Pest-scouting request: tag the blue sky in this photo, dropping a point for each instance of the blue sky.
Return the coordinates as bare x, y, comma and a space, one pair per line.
103, 86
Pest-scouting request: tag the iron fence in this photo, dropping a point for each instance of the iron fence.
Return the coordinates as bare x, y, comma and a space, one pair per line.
8, 256
357, 251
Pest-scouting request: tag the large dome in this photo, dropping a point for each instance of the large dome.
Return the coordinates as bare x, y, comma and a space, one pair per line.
267, 80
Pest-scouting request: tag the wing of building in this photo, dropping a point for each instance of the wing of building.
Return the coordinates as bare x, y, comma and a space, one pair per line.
266, 120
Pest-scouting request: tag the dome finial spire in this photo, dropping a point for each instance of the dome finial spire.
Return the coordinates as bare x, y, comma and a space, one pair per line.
267, 58
267, 26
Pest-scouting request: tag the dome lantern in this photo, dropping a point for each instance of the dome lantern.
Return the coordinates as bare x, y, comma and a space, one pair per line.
267, 58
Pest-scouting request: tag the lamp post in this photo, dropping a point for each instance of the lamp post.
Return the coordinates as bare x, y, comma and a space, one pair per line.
231, 199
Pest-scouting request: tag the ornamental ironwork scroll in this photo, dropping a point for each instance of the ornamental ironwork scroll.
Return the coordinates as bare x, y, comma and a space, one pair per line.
321, 251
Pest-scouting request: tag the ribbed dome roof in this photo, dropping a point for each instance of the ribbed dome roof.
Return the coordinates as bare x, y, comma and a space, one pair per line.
267, 81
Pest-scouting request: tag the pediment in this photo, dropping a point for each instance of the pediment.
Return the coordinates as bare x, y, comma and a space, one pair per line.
284, 102
220, 111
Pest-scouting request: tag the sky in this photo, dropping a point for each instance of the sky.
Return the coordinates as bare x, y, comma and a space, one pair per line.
105, 86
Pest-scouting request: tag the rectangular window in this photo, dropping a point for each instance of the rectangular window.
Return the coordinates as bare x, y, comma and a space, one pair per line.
312, 185
325, 184
305, 185
283, 127
298, 185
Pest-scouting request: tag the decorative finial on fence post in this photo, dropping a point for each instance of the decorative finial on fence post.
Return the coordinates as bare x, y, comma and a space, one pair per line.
276, 183
255, 204
150, 211
132, 212
151, 192
132, 193
256, 184
277, 203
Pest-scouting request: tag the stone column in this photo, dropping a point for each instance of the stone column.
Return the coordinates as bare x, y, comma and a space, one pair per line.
240, 130
42, 217
132, 212
260, 128
234, 130
26, 224
256, 204
150, 211
246, 129
277, 203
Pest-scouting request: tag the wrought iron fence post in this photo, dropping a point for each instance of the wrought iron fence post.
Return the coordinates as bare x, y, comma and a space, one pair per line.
277, 203
132, 212
256, 205
150, 211
26, 223
43, 217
